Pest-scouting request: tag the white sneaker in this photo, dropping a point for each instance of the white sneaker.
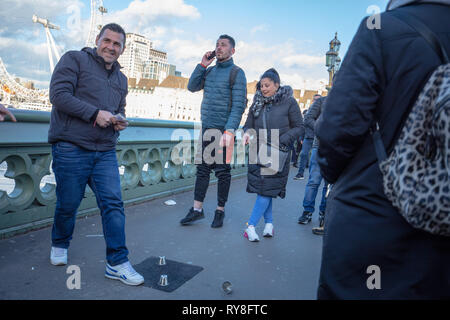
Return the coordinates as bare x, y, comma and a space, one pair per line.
251, 234
125, 273
268, 230
58, 256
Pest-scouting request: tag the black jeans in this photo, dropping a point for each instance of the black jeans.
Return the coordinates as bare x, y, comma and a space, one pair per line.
221, 170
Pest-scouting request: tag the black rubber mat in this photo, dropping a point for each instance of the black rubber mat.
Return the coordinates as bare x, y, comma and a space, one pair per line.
177, 273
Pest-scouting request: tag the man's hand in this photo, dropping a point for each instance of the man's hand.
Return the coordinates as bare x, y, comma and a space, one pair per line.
227, 139
205, 61
104, 118
5, 112
246, 139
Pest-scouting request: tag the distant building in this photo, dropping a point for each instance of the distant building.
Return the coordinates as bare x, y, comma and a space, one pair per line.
168, 100
136, 54
156, 66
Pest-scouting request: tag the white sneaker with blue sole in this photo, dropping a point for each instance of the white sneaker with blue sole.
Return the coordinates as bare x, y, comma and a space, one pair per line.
125, 273
58, 256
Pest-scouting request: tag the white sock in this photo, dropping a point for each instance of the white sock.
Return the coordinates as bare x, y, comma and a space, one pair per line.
198, 210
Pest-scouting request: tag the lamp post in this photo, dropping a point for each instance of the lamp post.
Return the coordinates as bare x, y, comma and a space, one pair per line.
333, 61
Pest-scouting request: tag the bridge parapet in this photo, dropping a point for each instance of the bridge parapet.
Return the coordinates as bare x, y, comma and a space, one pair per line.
154, 161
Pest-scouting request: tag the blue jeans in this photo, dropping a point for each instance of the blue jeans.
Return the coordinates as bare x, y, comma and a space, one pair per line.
75, 167
304, 154
312, 187
263, 206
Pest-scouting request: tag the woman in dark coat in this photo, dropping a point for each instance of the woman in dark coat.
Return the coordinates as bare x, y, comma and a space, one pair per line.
369, 250
282, 113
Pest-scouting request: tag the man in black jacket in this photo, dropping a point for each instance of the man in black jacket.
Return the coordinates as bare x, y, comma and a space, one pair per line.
88, 94
303, 161
314, 178
369, 250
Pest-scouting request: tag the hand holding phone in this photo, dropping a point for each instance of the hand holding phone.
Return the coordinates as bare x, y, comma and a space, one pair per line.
120, 118
212, 55
208, 58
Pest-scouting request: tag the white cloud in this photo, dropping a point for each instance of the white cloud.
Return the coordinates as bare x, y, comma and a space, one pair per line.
140, 15
302, 60
261, 27
296, 70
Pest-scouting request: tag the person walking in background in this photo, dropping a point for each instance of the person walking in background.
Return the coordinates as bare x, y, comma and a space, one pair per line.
380, 78
277, 104
307, 143
224, 102
315, 177
88, 93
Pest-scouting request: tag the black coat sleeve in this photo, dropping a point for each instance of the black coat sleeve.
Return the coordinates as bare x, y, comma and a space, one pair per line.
62, 89
297, 128
313, 114
348, 111
250, 122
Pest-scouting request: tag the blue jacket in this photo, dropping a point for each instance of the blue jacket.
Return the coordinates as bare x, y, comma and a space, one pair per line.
81, 85
215, 109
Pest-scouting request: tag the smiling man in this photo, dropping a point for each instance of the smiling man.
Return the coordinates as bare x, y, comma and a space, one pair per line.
88, 93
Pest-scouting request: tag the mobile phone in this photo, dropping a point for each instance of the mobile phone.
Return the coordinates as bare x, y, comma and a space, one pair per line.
212, 55
120, 118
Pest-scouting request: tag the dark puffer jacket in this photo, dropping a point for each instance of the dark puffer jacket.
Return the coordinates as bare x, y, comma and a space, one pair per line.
81, 85
216, 111
380, 76
284, 115
311, 116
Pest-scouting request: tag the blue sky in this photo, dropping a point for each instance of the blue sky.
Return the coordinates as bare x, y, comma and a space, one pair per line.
290, 35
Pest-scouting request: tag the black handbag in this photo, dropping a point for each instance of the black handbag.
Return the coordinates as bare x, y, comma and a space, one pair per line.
272, 151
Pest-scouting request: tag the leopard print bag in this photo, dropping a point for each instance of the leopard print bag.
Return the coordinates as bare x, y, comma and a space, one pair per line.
416, 173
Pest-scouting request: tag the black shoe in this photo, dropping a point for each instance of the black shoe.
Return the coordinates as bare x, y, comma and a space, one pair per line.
192, 216
320, 229
295, 165
305, 218
218, 219
299, 176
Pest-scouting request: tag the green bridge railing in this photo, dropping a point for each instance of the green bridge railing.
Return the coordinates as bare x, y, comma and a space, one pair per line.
145, 153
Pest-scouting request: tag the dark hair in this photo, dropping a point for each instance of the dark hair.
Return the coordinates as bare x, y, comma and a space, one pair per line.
225, 36
317, 95
271, 74
113, 27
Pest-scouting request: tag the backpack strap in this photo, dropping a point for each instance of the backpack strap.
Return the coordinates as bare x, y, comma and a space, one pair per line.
425, 32
233, 74
436, 44
206, 74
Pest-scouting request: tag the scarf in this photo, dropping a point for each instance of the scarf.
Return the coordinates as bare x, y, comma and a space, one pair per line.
259, 101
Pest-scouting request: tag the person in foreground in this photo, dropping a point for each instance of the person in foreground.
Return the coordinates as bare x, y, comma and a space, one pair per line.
88, 93
370, 251
277, 104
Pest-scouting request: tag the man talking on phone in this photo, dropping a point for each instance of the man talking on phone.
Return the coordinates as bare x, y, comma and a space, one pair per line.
224, 102
88, 92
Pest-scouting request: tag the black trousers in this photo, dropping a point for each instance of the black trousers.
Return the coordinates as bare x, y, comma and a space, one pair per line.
222, 172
